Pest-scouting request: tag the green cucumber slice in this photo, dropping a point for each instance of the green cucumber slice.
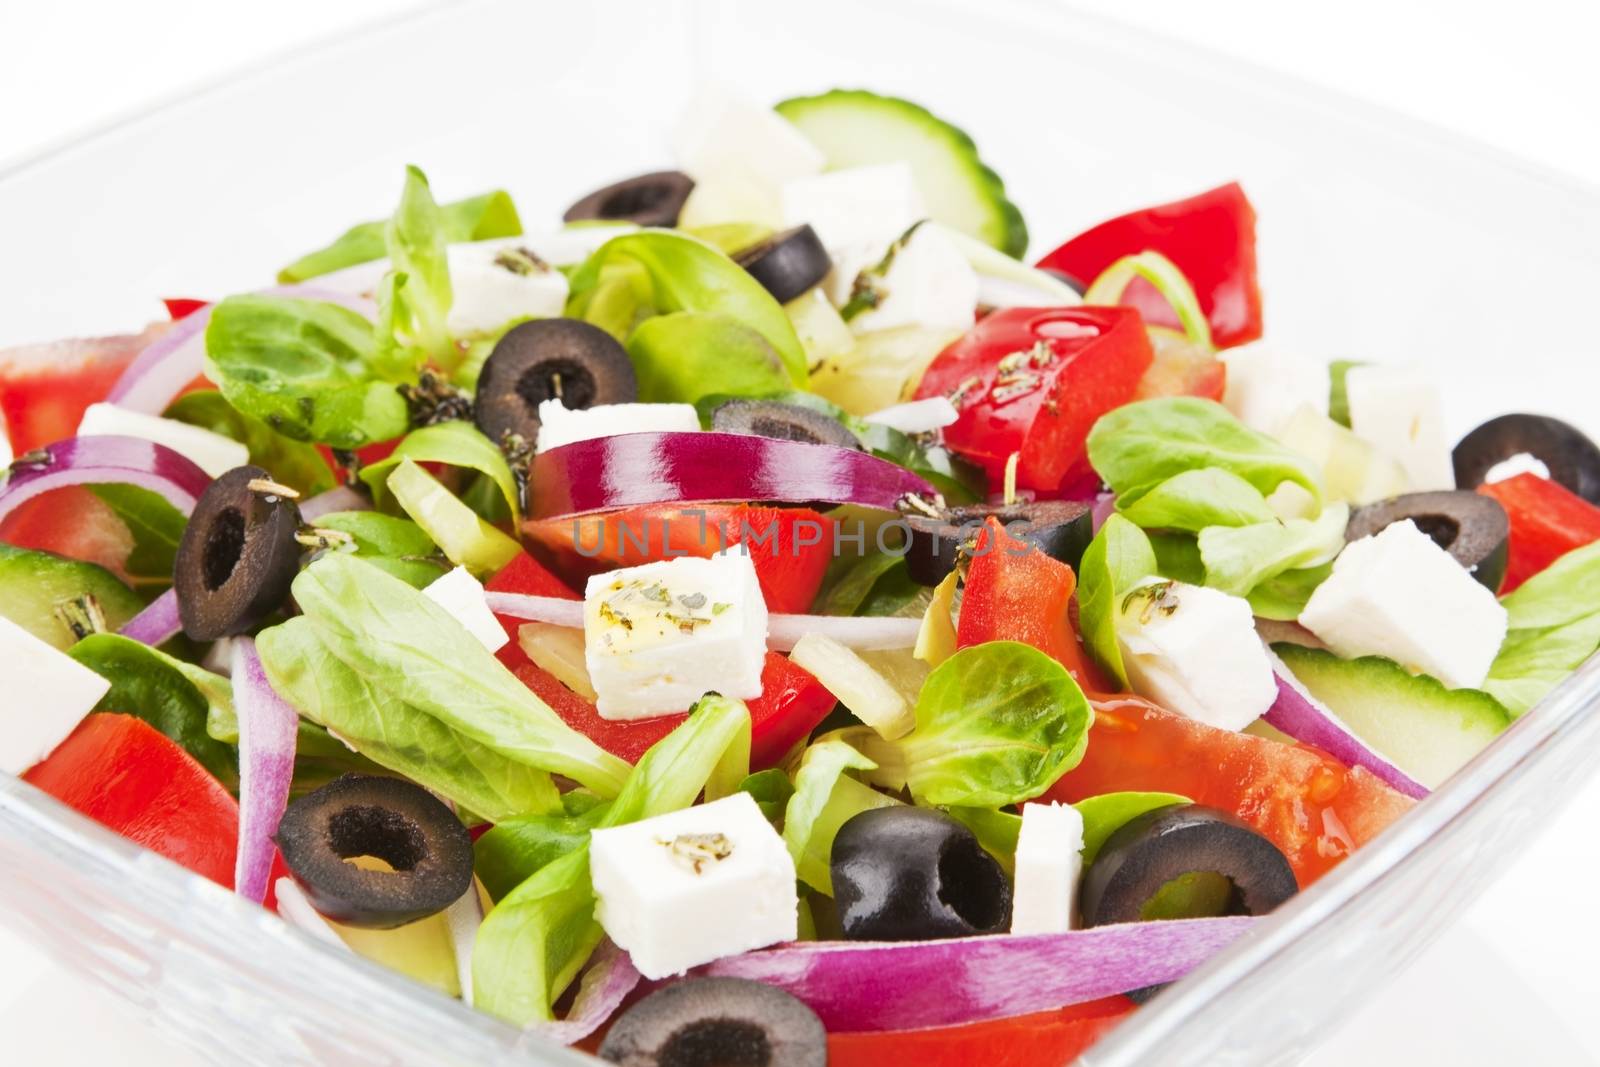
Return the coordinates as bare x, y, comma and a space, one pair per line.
33, 583
856, 128
1412, 720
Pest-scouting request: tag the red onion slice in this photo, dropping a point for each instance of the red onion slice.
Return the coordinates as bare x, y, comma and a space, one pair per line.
102, 460
1304, 718
630, 469
268, 727
606, 983
157, 624
856, 986
339, 498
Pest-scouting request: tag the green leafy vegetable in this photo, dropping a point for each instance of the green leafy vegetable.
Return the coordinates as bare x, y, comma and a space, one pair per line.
1554, 620
303, 367
1104, 815
997, 724
156, 527
996, 831
456, 444
1195, 499
458, 531
513, 851
824, 799
1338, 390
1177, 557
1285, 596
1115, 562
419, 296
477, 218
1239, 558
293, 463
398, 546
874, 584
772, 790
683, 355
1137, 447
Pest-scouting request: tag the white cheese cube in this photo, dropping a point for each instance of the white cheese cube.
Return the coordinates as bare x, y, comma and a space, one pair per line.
658, 637
51, 691
1398, 410
692, 886
731, 196
928, 283
1049, 863
1194, 651
857, 206
492, 283
848, 263
1265, 386
721, 132
1398, 594
917, 416
459, 593
211, 452
560, 425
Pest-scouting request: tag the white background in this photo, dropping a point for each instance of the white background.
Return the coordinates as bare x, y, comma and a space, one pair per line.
1522, 76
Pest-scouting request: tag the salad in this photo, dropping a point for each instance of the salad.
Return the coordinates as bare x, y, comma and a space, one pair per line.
763, 618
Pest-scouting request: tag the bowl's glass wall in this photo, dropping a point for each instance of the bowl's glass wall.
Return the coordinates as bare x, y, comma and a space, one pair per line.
1379, 240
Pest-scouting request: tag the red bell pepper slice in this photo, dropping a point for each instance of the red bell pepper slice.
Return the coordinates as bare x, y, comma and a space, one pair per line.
790, 547
1212, 239
130, 777
181, 307
1041, 1039
1014, 592
1034, 381
1548, 520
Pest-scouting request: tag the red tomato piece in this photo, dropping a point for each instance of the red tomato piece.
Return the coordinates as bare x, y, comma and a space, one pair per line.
1034, 381
1211, 238
1042, 1039
181, 307
1548, 520
72, 522
1182, 369
1014, 592
126, 775
45, 389
528, 576
1314, 808
790, 547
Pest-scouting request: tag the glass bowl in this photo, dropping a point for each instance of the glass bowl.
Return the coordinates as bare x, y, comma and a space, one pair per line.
1380, 239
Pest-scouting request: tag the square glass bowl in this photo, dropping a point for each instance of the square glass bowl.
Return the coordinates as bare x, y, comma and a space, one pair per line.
1380, 239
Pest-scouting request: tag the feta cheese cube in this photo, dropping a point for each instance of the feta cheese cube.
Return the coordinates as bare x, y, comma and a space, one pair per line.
492, 283
1195, 651
721, 132
560, 425
848, 263
459, 593
1398, 594
1049, 863
660, 636
692, 886
1265, 386
1398, 410
870, 205
54, 693
211, 452
730, 196
917, 416
928, 282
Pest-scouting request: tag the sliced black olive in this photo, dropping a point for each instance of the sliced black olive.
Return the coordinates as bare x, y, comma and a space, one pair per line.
787, 264
390, 819
914, 874
1062, 529
237, 555
786, 422
649, 200
1183, 862
717, 1022
1472, 527
549, 359
1571, 458
1071, 281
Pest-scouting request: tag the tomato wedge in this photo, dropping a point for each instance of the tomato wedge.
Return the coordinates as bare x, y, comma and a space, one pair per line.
1042, 1039
1034, 381
1548, 520
45, 389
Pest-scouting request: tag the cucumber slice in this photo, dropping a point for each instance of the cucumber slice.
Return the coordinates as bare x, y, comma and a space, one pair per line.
1412, 720
32, 583
855, 128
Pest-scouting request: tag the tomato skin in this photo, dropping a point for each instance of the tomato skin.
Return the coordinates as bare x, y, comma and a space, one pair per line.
1042, 1039
45, 389
1014, 592
1098, 357
72, 522
528, 576
1315, 809
181, 307
1548, 520
789, 564
1212, 239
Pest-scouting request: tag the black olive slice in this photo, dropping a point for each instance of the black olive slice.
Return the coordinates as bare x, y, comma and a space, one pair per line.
649, 200
914, 874
786, 422
1183, 862
1571, 458
1062, 529
1473, 528
237, 555
549, 359
717, 1022
787, 264
390, 819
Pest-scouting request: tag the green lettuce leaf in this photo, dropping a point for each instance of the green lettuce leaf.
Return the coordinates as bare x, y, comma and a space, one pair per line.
824, 799
1338, 390
1195, 499
1554, 620
1285, 596
293, 463
515, 850
1239, 558
455, 444
156, 527
771, 789
419, 295
681, 356
1119, 557
396, 545
477, 218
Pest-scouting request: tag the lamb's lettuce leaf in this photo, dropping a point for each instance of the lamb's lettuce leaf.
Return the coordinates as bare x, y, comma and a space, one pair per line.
825, 798
1554, 620
683, 355
1239, 558
456, 444
1119, 557
417, 301
293, 463
476, 218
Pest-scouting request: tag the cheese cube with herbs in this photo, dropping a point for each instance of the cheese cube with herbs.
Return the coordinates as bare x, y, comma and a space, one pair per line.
660, 636
1049, 863
692, 886
493, 284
